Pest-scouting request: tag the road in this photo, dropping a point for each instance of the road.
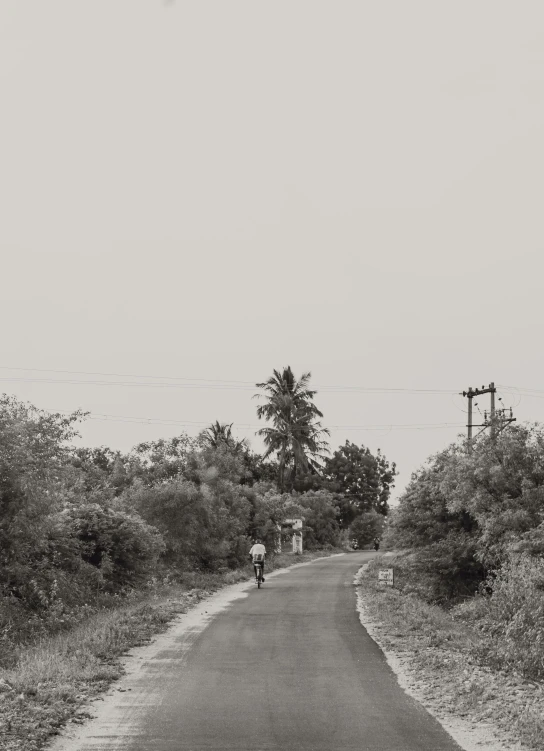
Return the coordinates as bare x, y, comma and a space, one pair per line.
285, 667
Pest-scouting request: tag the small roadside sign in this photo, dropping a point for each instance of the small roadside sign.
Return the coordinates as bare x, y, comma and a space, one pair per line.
386, 575
294, 523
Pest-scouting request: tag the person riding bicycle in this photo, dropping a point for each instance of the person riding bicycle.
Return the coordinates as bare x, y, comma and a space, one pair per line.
258, 554
376, 543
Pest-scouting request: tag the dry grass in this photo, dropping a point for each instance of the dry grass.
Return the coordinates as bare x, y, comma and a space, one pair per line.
443, 659
52, 681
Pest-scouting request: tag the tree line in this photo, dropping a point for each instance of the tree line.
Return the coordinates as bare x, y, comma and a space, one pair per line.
80, 524
471, 528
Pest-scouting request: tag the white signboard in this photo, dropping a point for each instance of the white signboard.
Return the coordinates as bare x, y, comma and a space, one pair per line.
294, 523
386, 575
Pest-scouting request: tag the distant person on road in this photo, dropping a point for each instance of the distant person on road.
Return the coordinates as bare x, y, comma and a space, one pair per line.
258, 553
376, 543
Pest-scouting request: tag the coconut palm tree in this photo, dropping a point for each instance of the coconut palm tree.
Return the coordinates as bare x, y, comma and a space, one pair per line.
296, 434
220, 434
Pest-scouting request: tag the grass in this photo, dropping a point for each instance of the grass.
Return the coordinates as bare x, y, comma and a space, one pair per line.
447, 661
51, 681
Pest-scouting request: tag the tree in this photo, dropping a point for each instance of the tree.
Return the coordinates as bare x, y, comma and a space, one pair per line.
367, 527
271, 509
158, 461
364, 480
203, 514
443, 541
489, 501
121, 546
320, 515
258, 469
34, 465
95, 466
296, 435
500, 484
220, 434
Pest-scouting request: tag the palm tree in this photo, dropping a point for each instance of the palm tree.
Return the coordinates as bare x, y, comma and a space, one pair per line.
220, 434
296, 434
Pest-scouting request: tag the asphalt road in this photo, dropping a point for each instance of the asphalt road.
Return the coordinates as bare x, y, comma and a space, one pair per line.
288, 667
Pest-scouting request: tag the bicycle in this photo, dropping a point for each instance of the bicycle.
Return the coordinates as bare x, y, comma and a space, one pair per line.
259, 578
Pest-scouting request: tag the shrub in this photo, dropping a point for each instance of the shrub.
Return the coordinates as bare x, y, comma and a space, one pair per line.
321, 526
512, 617
122, 546
442, 573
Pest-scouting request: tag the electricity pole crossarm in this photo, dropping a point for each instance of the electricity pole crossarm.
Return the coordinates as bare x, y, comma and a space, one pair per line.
495, 423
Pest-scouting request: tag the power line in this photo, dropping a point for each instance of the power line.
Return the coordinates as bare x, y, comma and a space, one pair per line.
199, 423
517, 391
123, 375
202, 383
87, 382
520, 388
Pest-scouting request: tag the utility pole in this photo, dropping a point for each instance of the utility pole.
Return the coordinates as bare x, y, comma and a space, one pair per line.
492, 390
470, 394
469, 426
492, 423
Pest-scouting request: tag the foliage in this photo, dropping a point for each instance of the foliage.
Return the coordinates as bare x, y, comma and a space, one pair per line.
258, 469
158, 461
121, 546
79, 525
464, 513
500, 485
203, 514
220, 434
320, 516
317, 509
512, 619
34, 454
423, 515
209, 464
270, 510
296, 435
363, 479
443, 541
366, 527
530, 542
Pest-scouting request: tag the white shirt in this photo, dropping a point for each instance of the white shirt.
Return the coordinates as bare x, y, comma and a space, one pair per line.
257, 549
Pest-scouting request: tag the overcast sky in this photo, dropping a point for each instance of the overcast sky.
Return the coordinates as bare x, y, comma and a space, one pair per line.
212, 189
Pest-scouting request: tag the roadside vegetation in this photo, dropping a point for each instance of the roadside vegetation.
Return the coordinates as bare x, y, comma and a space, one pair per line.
51, 683
467, 608
99, 549
448, 663
472, 528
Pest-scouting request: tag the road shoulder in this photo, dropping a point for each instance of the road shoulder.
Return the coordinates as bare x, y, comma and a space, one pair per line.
481, 709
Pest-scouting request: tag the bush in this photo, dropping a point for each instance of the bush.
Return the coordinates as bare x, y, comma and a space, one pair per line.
442, 573
201, 523
321, 526
122, 546
512, 616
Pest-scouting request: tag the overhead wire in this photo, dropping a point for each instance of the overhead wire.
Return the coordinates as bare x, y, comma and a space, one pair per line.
520, 388
161, 381
122, 375
198, 423
170, 382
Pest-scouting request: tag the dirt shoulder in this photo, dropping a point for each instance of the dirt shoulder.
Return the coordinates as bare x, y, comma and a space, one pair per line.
436, 661
54, 682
